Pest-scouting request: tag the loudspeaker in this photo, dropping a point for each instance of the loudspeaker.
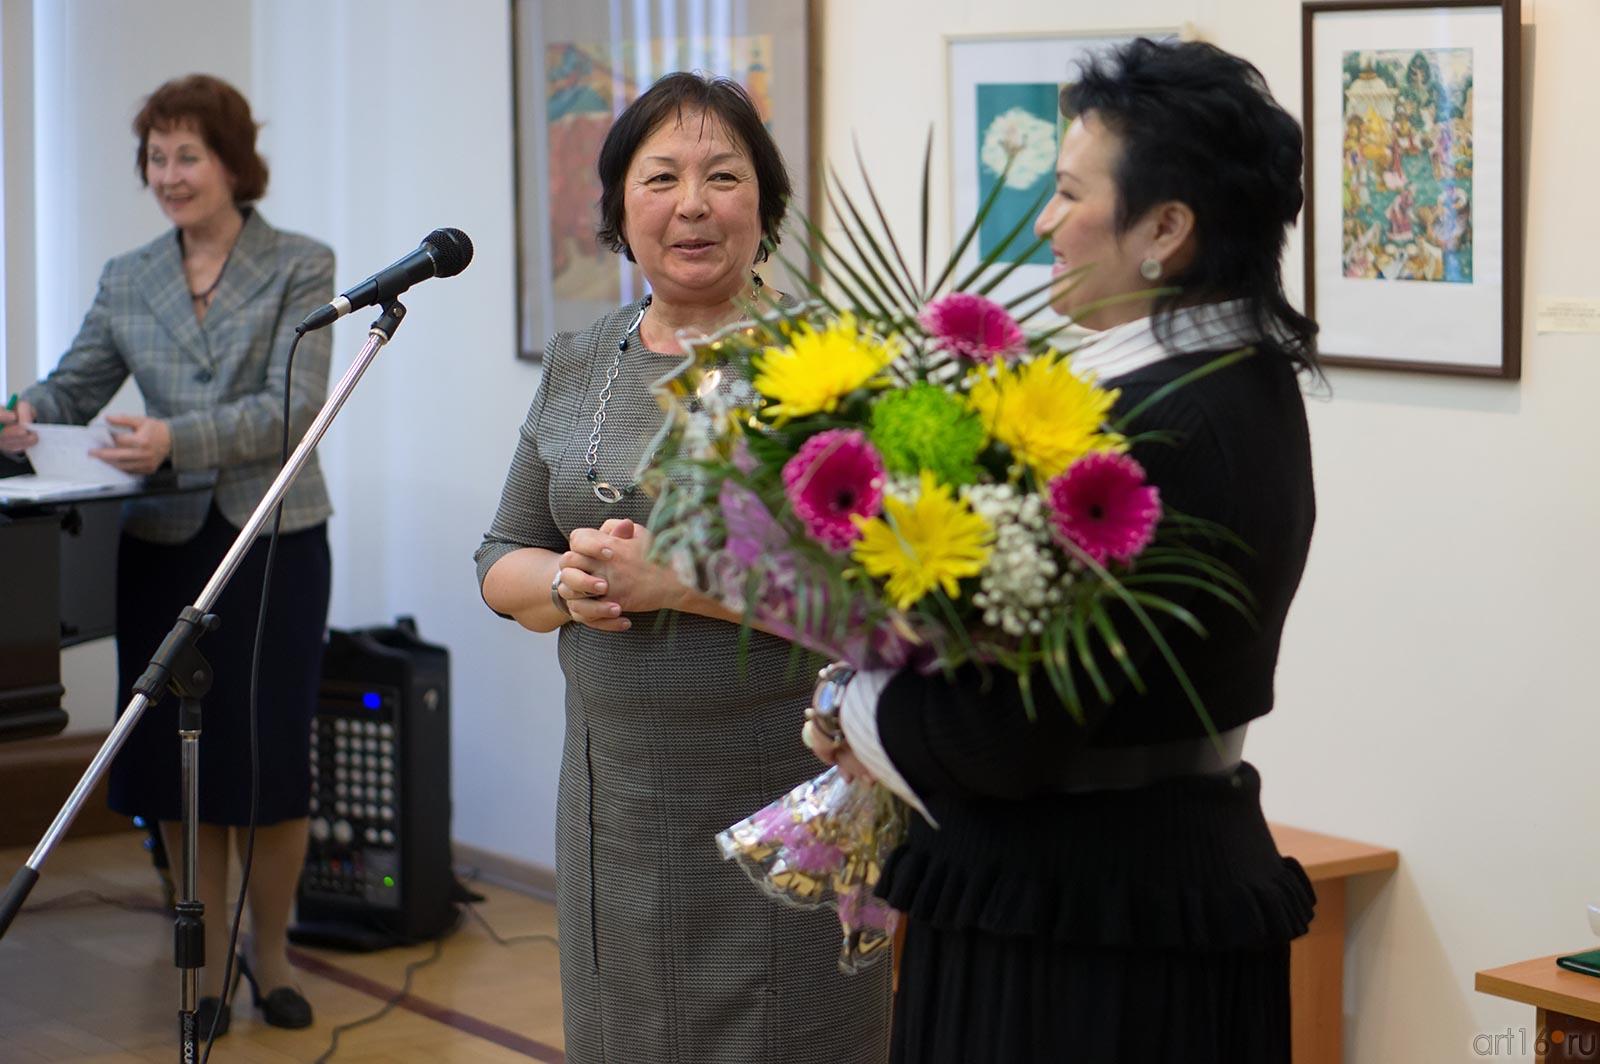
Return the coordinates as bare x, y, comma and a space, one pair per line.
377, 869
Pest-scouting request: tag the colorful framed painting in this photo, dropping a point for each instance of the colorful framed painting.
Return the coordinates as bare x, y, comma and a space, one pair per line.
575, 67
1004, 102
1413, 245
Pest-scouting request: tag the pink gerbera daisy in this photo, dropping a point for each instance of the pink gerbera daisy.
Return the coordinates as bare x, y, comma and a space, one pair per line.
1103, 504
836, 475
972, 326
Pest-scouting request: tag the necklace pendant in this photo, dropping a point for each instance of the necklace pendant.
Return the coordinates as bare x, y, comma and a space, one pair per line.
606, 493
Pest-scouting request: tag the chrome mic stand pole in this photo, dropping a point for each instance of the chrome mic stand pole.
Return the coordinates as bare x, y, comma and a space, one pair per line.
179, 667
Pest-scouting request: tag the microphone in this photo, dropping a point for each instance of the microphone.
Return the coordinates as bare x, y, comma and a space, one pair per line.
442, 253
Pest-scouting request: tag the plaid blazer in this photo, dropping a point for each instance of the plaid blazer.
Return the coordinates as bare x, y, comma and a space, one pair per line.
218, 385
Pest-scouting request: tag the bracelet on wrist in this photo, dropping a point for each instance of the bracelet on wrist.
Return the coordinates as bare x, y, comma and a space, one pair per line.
827, 698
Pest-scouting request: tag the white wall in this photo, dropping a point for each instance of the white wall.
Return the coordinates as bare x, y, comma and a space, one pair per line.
393, 121
1435, 689
88, 84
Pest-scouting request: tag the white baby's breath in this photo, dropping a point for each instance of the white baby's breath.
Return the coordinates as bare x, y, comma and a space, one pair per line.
1021, 585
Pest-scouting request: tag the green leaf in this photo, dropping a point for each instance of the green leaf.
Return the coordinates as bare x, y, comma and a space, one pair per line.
1024, 222
812, 288
1136, 603
1059, 668
829, 248
1053, 282
909, 284
860, 239
1091, 668
1021, 260
957, 629
1114, 645
1167, 389
1184, 580
1192, 526
971, 232
923, 292
1189, 558
1171, 609
1025, 689
1100, 304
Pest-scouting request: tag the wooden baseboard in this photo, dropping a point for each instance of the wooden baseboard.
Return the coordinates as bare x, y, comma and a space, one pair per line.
524, 877
37, 775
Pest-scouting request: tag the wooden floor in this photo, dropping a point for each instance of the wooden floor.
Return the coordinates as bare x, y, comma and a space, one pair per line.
93, 983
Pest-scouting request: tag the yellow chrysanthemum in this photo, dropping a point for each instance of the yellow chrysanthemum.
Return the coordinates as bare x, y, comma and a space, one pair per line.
817, 369
1047, 415
933, 542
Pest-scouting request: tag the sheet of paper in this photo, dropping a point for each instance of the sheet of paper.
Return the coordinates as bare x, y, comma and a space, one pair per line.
62, 454
34, 488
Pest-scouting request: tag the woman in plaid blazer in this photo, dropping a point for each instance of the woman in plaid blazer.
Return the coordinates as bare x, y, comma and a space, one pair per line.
201, 318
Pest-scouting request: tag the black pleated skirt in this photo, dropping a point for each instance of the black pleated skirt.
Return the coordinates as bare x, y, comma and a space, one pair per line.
1149, 925
970, 997
154, 582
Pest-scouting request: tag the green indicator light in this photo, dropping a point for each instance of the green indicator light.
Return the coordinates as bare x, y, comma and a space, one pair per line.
388, 881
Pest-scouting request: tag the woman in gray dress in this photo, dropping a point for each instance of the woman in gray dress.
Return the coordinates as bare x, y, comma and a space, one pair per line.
667, 952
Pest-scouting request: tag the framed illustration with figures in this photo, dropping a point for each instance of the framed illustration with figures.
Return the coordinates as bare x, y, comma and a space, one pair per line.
575, 67
1413, 245
1004, 103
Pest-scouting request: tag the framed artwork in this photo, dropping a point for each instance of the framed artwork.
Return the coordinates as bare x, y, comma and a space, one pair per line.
1413, 240
576, 66
1004, 102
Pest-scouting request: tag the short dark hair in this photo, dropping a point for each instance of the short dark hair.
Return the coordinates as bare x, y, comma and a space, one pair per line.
220, 114
1198, 125
715, 98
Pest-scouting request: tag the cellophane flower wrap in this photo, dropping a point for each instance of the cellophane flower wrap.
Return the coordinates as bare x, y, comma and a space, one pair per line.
905, 473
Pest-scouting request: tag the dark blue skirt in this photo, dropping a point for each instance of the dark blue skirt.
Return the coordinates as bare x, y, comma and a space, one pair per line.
154, 582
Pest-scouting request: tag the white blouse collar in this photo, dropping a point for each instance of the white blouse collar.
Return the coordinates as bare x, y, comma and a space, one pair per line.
1121, 349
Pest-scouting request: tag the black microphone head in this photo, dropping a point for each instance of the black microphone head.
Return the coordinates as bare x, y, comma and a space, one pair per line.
451, 250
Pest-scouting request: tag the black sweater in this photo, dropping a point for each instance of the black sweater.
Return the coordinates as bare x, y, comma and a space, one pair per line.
1014, 854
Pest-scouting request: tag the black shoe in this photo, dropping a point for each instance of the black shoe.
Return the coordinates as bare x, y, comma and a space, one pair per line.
208, 1012
281, 1007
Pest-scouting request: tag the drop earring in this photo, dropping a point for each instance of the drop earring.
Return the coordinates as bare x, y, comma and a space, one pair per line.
1150, 270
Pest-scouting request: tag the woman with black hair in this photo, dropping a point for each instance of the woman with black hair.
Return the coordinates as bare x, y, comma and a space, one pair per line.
1108, 891
675, 726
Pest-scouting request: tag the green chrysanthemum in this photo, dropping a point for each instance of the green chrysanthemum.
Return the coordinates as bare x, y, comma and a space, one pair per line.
925, 427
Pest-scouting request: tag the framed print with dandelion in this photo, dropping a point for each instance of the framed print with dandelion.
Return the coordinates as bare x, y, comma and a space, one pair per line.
1412, 116
1004, 108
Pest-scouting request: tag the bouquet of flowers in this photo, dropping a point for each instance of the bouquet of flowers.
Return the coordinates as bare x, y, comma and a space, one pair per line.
898, 473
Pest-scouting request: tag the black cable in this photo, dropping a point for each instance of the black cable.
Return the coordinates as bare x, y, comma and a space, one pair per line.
389, 1005
465, 899
228, 981
472, 910
85, 899
80, 899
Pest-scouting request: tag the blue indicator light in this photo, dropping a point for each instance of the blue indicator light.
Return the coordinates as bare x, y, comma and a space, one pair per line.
371, 700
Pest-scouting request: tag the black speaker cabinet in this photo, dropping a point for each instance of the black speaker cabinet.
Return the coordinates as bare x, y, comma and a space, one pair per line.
377, 869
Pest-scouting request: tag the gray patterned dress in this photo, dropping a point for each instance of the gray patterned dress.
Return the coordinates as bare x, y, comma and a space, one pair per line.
669, 955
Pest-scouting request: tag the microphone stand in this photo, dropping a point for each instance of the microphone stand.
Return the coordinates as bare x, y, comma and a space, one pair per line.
179, 667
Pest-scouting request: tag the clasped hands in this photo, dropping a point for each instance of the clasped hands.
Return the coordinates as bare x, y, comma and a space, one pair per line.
140, 447
606, 573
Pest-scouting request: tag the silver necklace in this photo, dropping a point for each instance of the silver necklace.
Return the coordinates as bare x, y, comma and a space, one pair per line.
603, 490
